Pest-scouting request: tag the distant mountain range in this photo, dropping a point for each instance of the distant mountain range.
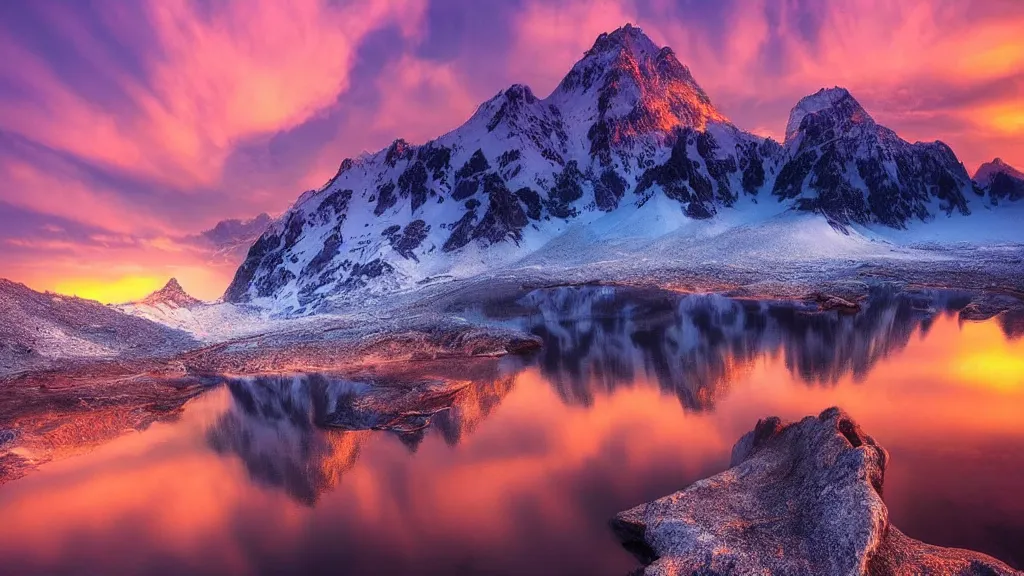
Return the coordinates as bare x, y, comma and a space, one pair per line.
626, 125
229, 240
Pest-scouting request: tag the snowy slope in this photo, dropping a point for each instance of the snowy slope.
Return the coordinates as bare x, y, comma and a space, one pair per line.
37, 328
628, 151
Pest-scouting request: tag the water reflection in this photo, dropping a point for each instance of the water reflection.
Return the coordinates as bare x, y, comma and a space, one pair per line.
301, 433
514, 466
599, 338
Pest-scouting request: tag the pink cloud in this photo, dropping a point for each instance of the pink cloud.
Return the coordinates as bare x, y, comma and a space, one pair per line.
250, 68
443, 99
70, 196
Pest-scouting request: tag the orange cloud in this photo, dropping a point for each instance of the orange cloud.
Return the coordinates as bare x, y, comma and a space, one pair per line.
246, 69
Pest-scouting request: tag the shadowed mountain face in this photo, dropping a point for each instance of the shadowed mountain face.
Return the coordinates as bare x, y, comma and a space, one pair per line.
599, 338
1000, 181
839, 162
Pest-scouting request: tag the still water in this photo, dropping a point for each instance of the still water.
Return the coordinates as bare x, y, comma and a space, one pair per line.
631, 398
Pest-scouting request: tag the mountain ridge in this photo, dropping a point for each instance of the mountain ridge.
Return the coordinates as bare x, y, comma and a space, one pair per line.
627, 123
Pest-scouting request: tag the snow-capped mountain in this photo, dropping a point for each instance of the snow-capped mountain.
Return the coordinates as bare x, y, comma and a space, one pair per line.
627, 125
170, 306
175, 308
1000, 181
626, 122
841, 163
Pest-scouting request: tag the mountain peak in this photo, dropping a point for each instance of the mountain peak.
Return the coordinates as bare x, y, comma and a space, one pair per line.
628, 37
632, 88
989, 170
837, 99
171, 294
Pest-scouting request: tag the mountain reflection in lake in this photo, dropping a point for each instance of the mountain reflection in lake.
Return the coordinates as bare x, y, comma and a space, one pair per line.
514, 466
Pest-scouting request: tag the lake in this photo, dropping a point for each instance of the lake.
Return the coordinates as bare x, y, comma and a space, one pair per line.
633, 396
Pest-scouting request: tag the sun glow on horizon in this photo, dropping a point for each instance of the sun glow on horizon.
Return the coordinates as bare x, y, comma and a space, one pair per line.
109, 291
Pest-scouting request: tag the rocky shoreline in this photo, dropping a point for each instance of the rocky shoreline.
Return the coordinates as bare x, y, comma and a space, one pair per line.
798, 498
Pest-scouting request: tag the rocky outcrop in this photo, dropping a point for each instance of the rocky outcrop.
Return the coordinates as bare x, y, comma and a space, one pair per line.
172, 294
799, 498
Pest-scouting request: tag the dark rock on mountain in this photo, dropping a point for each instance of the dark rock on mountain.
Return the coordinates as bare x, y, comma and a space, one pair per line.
461, 232
566, 191
1000, 181
799, 498
839, 162
410, 238
522, 170
608, 190
505, 217
681, 179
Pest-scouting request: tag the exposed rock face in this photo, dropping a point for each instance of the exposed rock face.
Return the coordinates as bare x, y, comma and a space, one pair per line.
1000, 181
800, 498
841, 163
172, 294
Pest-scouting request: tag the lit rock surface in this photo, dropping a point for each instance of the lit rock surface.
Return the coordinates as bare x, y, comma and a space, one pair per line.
800, 498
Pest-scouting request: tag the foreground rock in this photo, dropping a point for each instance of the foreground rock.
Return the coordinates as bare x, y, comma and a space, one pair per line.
51, 415
800, 498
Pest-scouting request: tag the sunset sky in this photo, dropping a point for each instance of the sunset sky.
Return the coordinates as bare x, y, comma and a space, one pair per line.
127, 127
